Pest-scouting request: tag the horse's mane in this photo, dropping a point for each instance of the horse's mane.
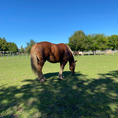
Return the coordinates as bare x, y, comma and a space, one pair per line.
70, 49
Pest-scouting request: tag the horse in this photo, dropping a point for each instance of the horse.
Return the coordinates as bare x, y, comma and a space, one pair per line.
54, 53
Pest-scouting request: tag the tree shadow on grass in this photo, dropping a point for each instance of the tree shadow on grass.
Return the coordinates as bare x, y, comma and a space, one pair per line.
111, 74
74, 97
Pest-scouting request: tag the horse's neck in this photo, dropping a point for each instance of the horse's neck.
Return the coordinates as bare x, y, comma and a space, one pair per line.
71, 59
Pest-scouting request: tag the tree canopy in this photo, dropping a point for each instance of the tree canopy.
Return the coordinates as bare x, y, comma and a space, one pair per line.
81, 42
3, 44
113, 42
7, 46
12, 47
29, 45
76, 42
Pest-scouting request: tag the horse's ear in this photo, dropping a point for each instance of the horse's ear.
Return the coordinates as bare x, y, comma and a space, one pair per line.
75, 61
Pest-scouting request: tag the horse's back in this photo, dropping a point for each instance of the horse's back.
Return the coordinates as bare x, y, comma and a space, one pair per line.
42, 48
51, 52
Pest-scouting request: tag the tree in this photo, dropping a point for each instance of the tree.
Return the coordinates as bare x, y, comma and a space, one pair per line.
81, 42
22, 50
89, 42
101, 41
76, 41
7, 46
93, 44
29, 45
97, 42
12, 47
113, 42
3, 44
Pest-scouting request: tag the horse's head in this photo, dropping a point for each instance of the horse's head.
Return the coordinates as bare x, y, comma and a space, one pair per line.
72, 66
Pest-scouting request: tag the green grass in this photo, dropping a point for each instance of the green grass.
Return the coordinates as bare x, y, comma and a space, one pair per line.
91, 93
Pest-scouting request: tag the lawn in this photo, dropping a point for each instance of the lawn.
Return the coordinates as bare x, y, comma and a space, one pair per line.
91, 93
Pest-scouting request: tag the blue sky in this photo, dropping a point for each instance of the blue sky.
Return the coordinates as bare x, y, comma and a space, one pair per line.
56, 20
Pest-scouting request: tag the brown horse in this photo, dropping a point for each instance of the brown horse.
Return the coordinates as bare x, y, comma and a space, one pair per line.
40, 52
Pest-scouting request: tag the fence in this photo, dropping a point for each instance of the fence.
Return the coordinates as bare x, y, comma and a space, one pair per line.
8, 53
98, 52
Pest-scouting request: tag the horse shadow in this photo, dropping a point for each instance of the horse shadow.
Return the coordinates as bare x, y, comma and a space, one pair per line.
65, 74
73, 97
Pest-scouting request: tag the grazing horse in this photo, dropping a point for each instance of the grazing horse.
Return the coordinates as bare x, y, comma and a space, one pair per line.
40, 52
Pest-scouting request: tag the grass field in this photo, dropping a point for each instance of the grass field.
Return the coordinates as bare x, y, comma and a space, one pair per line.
91, 93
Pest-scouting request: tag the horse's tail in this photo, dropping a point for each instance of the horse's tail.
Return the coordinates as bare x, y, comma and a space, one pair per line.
34, 62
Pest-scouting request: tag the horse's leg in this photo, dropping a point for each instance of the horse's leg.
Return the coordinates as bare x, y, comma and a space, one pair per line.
40, 73
41, 76
62, 65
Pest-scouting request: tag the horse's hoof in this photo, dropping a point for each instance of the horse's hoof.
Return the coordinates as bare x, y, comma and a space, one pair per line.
61, 77
42, 80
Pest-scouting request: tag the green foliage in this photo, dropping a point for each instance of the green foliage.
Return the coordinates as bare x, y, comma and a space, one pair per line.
101, 41
29, 45
12, 47
91, 43
76, 42
97, 42
3, 44
81, 42
113, 42
7, 46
